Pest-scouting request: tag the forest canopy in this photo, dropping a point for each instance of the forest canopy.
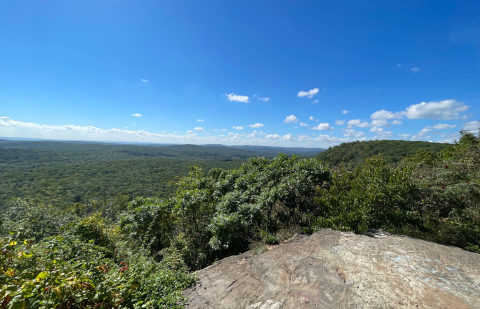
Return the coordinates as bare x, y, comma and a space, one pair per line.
129, 251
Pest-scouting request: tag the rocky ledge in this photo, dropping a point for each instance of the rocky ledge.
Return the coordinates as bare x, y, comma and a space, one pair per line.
332, 269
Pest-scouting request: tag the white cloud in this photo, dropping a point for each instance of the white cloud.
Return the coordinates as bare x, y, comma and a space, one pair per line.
358, 123
443, 126
344, 112
309, 94
145, 80
399, 65
251, 135
190, 132
447, 109
315, 101
396, 122
237, 98
256, 125
383, 114
422, 134
272, 136
323, 126
353, 133
198, 129
340, 122
137, 115
303, 124
288, 137
380, 123
259, 132
472, 126
415, 70
313, 119
364, 125
291, 118
200, 120
354, 122
377, 130
238, 128
404, 135
224, 130
265, 99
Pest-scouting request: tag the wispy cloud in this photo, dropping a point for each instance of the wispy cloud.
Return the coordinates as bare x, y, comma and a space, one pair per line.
399, 65
145, 80
238, 128
344, 112
312, 118
308, 94
237, 98
472, 126
200, 120
444, 126
290, 119
265, 99
315, 101
446, 109
467, 34
303, 124
256, 125
415, 70
340, 122
198, 129
137, 115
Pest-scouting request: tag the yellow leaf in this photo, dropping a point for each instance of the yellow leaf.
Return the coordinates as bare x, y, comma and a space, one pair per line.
57, 292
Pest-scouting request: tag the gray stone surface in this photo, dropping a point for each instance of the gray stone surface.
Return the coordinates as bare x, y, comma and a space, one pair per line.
331, 269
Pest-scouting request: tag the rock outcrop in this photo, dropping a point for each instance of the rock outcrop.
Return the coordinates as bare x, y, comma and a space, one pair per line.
332, 269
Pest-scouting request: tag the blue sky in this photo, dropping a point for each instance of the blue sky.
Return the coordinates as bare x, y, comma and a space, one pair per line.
289, 73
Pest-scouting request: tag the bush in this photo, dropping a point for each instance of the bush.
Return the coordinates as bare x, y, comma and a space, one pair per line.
373, 196
64, 272
220, 214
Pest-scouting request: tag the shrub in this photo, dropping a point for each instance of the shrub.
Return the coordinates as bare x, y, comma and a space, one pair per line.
64, 272
373, 196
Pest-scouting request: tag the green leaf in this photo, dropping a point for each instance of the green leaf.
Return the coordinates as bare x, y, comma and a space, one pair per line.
42, 275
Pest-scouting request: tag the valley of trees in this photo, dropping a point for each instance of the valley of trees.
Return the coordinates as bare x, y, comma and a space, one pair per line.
63, 173
134, 244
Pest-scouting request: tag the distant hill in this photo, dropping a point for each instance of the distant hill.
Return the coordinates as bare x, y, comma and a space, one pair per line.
298, 151
354, 153
38, 153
